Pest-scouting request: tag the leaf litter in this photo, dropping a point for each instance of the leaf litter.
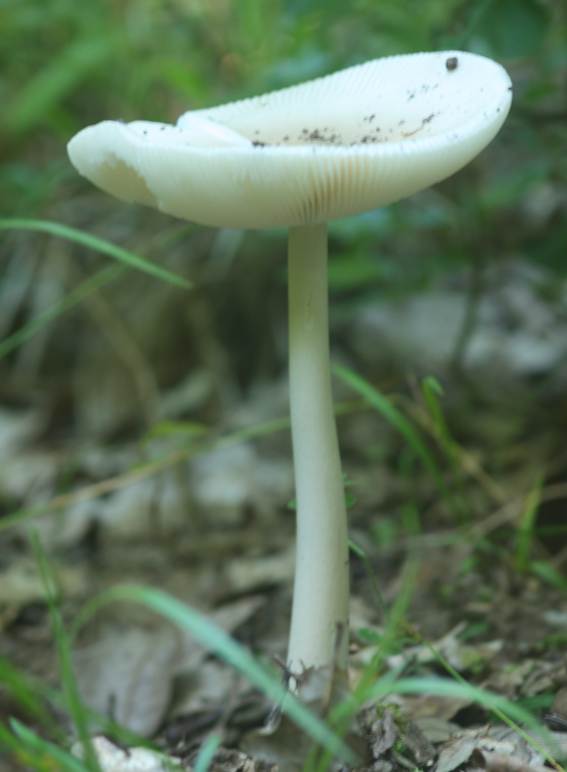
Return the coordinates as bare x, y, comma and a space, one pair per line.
217, 533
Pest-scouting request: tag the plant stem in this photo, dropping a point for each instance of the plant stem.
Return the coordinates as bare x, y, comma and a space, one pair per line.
321, 589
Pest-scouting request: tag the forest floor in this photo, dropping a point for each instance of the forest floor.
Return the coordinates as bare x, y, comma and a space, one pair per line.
463, 583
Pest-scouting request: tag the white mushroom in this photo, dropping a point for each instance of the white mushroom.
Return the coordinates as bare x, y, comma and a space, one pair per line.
352, 141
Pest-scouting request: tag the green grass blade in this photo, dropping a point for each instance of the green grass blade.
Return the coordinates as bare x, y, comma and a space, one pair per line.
10, 744
341, 715
497, 710
526, 530
395, 418
58, 77
43, 750
207, 753
98, 245
77, 712
443, 687
32, 694
508, 711
73, 298
24, 690
217, 641
432, 391
545, 571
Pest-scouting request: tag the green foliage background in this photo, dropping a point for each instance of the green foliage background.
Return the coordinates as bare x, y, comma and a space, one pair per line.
65, 64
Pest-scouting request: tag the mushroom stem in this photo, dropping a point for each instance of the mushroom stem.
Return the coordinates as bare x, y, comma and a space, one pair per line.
321, 589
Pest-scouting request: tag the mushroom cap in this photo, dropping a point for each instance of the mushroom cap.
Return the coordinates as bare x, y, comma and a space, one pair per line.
352, 141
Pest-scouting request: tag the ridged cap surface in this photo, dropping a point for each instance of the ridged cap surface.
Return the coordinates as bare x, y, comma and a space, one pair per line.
352, 141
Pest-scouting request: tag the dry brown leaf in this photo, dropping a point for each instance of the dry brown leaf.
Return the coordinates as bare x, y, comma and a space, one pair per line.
128, 674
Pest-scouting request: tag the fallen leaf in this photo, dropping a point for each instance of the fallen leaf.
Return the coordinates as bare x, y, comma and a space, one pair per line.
128, 674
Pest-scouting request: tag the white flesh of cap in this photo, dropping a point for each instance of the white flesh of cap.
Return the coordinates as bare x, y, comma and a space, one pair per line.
349, 142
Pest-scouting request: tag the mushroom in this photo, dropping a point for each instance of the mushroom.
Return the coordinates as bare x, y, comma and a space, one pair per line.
342, 144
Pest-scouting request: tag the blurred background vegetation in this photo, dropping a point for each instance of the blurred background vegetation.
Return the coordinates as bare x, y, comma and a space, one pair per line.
466, 282
100, 369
